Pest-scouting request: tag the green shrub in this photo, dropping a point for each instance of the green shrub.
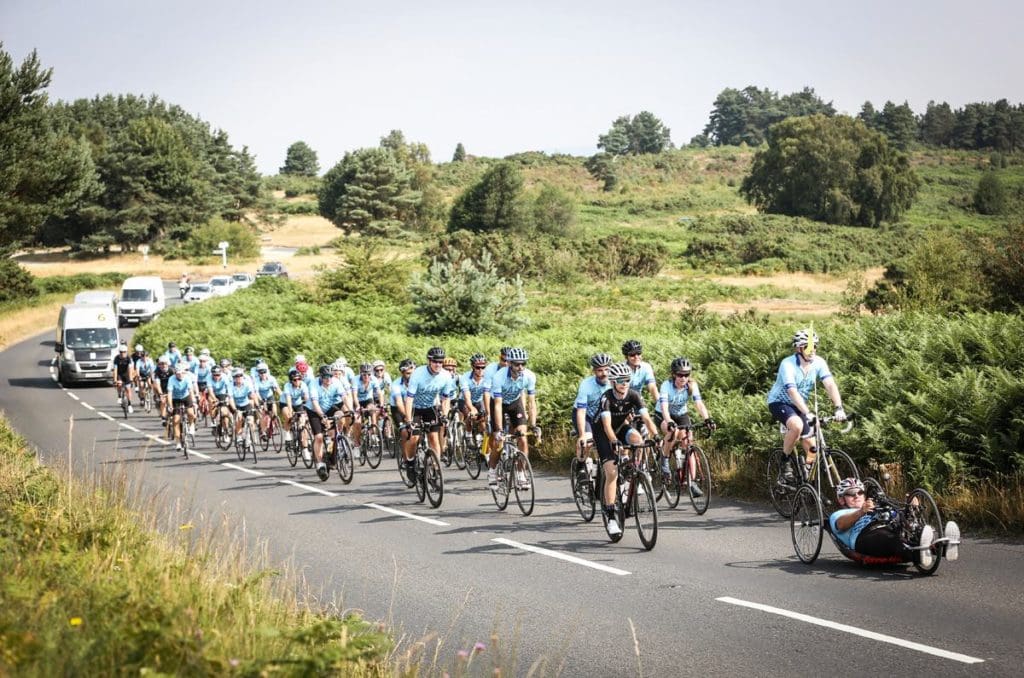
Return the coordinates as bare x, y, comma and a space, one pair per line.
990, 196
618, 255
18, 283
203, 240
69, 284
554, 212
466, 298
362, 274
298, 207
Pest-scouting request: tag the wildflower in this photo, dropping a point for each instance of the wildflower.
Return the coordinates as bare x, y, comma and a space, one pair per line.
75, 621
479, 647
462, 654
186, 526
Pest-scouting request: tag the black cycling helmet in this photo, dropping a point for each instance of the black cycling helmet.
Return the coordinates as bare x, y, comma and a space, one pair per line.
516, 355
600, 360
477, 359
189, 350
292, 373
365, 368
632, 346
324, 371
504, 351
681, 365
171, 345
435, 353
215, 372
406, 364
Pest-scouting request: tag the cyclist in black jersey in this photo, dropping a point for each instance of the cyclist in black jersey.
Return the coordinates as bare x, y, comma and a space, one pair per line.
124, 376
620, 406
159, 379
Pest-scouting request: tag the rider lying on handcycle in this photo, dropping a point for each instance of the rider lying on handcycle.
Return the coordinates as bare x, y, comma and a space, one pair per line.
875, 529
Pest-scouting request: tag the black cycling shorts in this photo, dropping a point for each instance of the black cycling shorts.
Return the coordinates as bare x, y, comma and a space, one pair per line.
879, 540
316, 423
429, 416
680, 420
396, 415
514, 414
186, 401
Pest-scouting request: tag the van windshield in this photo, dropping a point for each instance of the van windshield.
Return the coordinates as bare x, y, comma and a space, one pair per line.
136, 295
93, 338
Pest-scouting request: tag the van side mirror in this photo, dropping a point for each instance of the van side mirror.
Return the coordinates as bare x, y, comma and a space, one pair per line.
58, 347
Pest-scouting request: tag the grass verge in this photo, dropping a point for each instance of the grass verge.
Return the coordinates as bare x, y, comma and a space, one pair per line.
90, 587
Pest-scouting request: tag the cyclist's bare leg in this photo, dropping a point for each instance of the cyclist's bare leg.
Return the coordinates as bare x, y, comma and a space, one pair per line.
318, 447
522, 442
611, 474
794, 426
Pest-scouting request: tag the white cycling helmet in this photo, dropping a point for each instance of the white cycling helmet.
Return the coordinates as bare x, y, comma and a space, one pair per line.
619, 371
138, 348
378, 363
342, 361
847, 484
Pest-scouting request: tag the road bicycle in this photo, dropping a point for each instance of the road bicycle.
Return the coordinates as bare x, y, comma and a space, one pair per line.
784, 474
906, 518
371, 449
338, 448
302, 439
204, 410
425, 473
634, 494
271, 431
456, 442
223, 431
476, 460
246, 441
123, 401
582, 474
514, 475
389, 441
146, 396
689, 468
179, 420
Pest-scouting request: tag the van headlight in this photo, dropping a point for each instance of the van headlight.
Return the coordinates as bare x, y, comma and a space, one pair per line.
69, 355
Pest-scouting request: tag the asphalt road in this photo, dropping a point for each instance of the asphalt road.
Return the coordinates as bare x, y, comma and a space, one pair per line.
721, 594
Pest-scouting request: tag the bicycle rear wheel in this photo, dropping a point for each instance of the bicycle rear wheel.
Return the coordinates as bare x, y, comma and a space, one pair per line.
433, 479
653, 468
182, 433
474, 459
645, 511
806, 524
264, 432
524, 490
701, 480
501, 490
782, 486
921, 511
839, 465
372, 447
582, 490
343, 458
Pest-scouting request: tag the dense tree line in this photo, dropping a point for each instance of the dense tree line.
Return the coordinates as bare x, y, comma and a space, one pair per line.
110, 170
744, 115
984, 125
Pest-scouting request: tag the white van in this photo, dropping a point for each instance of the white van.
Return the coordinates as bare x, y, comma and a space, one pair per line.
98, 297
142, 299
86, 343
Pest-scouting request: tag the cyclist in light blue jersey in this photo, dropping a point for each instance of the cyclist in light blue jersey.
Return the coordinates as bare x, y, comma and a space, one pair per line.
380, 371
473, 396
294, 396
268, 391
787, 400
643, 374
428, 384
242, 402
145, 367
321, 408
588, 399
673, 411
203, 367
181, 390
190, 360
369, 396
513, 392
173, 355
399, 415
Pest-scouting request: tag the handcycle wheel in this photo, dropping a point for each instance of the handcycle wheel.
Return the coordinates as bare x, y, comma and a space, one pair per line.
524, 495
645, 512
702, 480
781, 490
672, 483
582, 490
433, 480
501, 490
922, 511
806, 524
372, 447
343, 458
839, 464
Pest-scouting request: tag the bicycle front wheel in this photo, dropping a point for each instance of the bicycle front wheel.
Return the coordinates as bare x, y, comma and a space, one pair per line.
806, 524
183, 433
699, 485
306, 444
433, 479
582, 490
458, 434
500, 491
372, 447
673, 482
241, 444
645, 511
620, 516
523, 483
781, 479
291, 449
223, 433
343, 458
253, 438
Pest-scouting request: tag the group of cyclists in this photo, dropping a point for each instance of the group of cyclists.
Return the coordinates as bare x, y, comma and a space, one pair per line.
496, 399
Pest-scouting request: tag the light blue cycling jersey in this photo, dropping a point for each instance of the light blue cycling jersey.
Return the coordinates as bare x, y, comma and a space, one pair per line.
266, 387
240, 393
397, 392
424, 388
190, 363
503, 386
384, 380
849, 537
326, 396
145, 367
310, 380
179, 388
367, 390
490, 370
642, 375
473, 388
344, 386
172, 357
677, 398
219, 387
791, 374
203, 373
299, 394
588, 397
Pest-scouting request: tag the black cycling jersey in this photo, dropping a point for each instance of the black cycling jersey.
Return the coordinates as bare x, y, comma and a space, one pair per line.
163, 376
122, 365
621, 410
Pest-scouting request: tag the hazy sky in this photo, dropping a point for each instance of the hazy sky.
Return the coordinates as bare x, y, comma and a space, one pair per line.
504, 77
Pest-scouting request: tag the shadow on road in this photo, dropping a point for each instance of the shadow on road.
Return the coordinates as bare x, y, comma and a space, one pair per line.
33, 382
833, 568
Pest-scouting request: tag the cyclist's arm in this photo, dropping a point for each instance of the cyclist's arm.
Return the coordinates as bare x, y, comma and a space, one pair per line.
648, 422
848, 520
496, 407
606, 422
833, 392
653, 389
797, 400
532, 404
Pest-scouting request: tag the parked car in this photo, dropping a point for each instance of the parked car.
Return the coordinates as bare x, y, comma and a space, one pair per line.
272, 269
222, 285
198, 292
242, 280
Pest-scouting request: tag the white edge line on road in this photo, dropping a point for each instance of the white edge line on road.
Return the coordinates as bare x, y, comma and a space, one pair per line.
105, 415
561, 556
130, 427
242, 469
193, 453
309, 488
881, 637
156, 438
423, 519
88, 406
73, 396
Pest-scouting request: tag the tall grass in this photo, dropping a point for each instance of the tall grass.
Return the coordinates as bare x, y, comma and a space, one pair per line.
90, 587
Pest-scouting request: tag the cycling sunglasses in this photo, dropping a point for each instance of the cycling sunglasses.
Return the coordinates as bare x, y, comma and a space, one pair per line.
622, 380
858, 493
517, 364
682, 374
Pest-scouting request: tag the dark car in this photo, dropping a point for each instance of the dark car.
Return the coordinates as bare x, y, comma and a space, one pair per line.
272, 269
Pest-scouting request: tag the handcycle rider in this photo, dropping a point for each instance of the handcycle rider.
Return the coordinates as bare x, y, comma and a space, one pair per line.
618, 408
857, 525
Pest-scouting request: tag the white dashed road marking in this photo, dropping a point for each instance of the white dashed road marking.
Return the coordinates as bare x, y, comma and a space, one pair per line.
396, 512
561, 556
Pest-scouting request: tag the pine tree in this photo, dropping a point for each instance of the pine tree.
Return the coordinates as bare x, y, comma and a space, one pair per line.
460, 153
300, 160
